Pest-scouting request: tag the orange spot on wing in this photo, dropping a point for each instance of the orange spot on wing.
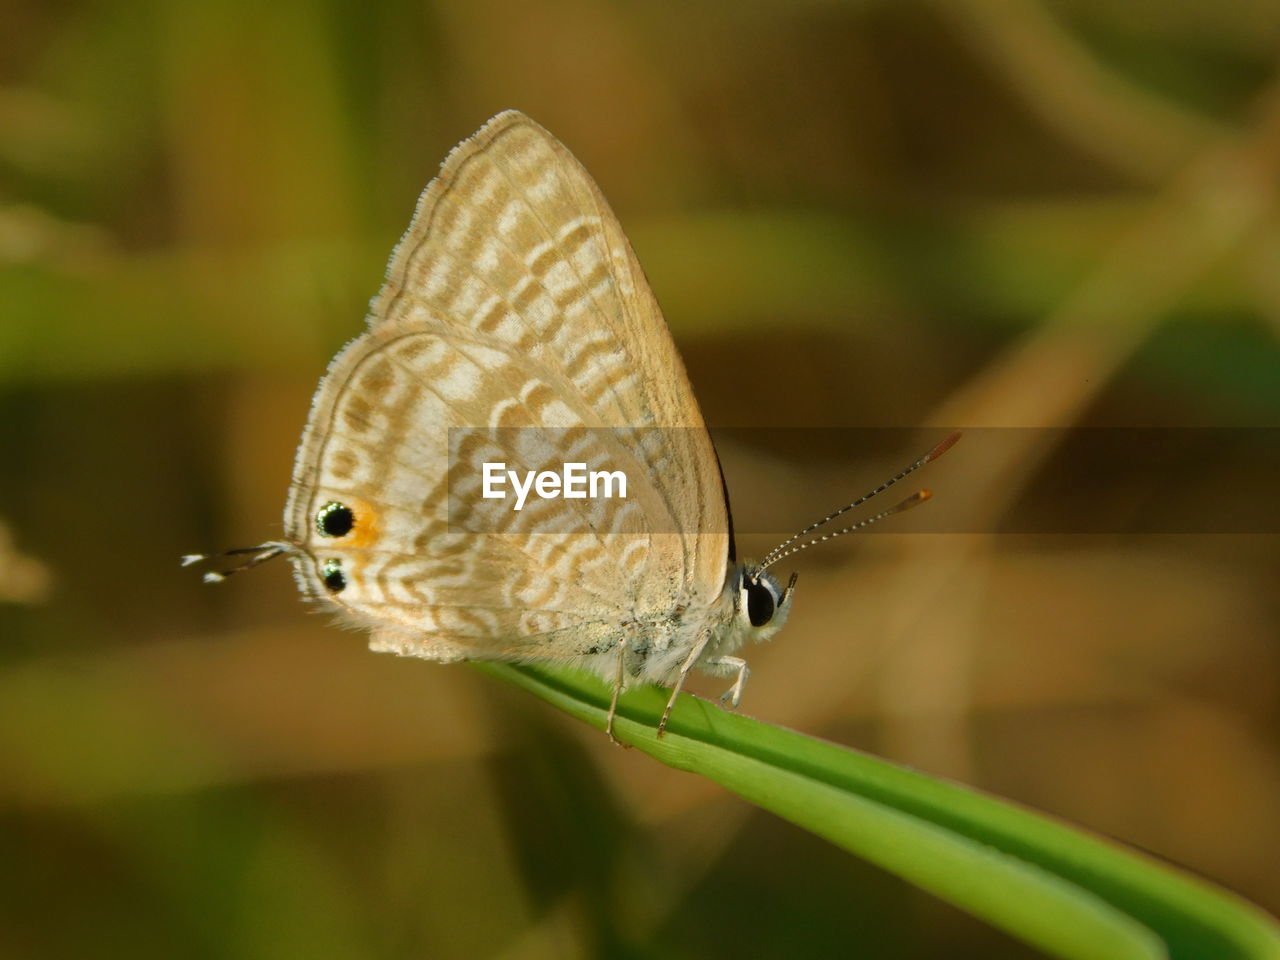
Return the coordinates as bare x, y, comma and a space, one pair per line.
367, 526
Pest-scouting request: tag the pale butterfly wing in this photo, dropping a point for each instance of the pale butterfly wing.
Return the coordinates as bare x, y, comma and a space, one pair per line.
514, 300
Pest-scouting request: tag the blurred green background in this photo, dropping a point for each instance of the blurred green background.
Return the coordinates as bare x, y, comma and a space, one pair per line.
961, 213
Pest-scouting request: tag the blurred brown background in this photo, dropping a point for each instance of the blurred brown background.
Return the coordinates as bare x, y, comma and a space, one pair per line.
964, 213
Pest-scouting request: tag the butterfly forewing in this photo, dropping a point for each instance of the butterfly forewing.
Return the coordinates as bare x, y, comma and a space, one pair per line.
513, 307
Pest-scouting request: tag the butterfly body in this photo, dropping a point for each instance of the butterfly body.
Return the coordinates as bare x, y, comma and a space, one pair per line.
516, 324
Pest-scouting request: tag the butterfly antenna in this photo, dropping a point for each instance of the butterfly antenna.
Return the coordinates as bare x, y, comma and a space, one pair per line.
785, 548
260, 554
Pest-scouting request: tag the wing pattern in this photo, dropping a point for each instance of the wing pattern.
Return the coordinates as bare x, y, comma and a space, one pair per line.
515, 323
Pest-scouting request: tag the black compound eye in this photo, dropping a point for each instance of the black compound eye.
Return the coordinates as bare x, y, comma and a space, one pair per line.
760, 603
335, 520
333, 577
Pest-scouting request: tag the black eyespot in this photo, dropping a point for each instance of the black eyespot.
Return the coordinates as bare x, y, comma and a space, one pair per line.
760, 603
331, 574
335, 520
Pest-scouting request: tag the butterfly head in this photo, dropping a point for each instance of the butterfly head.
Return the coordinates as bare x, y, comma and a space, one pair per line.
761, 603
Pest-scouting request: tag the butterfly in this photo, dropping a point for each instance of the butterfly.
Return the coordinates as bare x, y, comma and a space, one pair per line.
514, 306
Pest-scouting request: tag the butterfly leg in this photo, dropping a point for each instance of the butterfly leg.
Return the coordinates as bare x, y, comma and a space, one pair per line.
675, 692
685, 667
734, 693
617, 689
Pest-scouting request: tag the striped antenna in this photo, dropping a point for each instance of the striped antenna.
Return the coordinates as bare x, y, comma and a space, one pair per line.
785, 548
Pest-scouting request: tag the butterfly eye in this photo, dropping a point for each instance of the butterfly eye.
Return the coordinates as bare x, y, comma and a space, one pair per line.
335, 520
760, 602
333, 577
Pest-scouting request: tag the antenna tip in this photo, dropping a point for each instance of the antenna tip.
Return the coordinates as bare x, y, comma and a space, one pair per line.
943, 447
212, 577
189, 558
917, 498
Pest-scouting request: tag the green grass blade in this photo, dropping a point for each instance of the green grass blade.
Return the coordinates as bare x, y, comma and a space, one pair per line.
1068, 892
